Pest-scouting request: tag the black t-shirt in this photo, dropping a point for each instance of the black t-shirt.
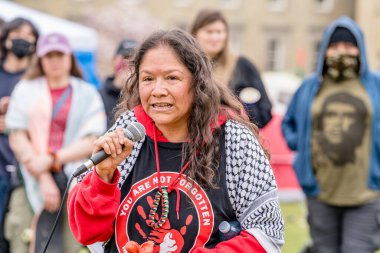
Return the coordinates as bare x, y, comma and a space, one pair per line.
201, 209
8, 82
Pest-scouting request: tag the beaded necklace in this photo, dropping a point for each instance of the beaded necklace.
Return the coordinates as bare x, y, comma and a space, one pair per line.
162, 194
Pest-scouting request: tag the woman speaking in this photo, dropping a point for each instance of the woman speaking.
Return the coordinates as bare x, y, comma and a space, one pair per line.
199, 164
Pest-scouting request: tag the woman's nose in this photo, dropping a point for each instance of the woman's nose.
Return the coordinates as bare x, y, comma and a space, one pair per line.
159, 88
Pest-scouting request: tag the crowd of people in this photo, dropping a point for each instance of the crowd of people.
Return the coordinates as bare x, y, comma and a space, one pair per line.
50, 118
201, 161
18, 41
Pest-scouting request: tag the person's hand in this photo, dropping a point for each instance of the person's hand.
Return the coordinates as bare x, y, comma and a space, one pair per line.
4, 102
38, 164
134, 247
168, 245
169, 240
50, 193
118, 147
2, 123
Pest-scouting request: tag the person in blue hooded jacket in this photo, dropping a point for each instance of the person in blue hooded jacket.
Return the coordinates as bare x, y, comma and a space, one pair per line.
333, 124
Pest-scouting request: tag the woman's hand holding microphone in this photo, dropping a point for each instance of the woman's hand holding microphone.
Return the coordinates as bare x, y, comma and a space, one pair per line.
118, 147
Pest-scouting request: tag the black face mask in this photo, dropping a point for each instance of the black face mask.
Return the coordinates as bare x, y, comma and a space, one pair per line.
21, 48
342, 67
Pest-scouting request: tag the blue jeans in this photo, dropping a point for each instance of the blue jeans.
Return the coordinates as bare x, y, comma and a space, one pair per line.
5, 189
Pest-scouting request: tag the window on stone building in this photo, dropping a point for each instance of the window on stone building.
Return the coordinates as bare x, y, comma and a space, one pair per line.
235, 32
182, 3
231, 4
275, 54
324, 6
277, 5
132, 2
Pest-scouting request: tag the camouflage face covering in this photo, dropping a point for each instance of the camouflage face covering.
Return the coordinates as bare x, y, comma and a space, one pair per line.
342, 67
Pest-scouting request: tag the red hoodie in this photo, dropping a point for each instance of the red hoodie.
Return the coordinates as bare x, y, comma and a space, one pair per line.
93, 206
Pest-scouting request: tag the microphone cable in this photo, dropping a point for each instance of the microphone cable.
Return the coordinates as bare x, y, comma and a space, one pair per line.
135, 132
59, 214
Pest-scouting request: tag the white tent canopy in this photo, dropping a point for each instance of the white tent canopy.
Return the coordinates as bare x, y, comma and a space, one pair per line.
82, 38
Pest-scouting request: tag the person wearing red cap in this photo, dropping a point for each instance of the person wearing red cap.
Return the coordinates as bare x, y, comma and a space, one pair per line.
53, 118
333, 124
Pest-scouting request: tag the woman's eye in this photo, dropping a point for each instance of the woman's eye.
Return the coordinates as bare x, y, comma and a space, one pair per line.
172, 78
147, 79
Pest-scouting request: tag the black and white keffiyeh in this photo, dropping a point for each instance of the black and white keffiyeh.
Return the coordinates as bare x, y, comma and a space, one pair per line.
250, 182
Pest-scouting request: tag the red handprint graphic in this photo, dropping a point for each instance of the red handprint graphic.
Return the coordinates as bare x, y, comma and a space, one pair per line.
192, 229
166, 238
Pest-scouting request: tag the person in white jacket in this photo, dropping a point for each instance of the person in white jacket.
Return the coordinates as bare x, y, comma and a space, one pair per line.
53, 118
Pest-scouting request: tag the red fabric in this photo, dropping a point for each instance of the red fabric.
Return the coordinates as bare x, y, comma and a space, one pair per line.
281, 156
92, 206
224, 114
58, 124
244, 242
148, 123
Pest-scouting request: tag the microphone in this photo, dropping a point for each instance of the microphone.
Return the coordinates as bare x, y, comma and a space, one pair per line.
135, 132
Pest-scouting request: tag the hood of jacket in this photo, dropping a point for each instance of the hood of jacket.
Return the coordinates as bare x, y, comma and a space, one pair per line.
348, 23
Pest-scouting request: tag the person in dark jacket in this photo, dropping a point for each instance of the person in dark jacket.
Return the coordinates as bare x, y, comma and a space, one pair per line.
18, 39
111, 88
2, 22
333, 124
210, 28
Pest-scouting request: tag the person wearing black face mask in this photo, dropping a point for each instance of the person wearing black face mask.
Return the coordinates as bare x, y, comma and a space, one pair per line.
17, 43
342, 56
22, 48
332, 123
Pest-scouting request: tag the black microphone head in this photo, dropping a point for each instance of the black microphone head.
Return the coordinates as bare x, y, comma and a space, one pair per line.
135, 131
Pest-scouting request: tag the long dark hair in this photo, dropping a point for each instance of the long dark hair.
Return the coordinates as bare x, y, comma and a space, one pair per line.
11, 26
209, 99
206, 17
224, 62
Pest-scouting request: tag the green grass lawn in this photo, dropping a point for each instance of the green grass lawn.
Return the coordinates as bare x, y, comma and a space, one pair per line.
296, 228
